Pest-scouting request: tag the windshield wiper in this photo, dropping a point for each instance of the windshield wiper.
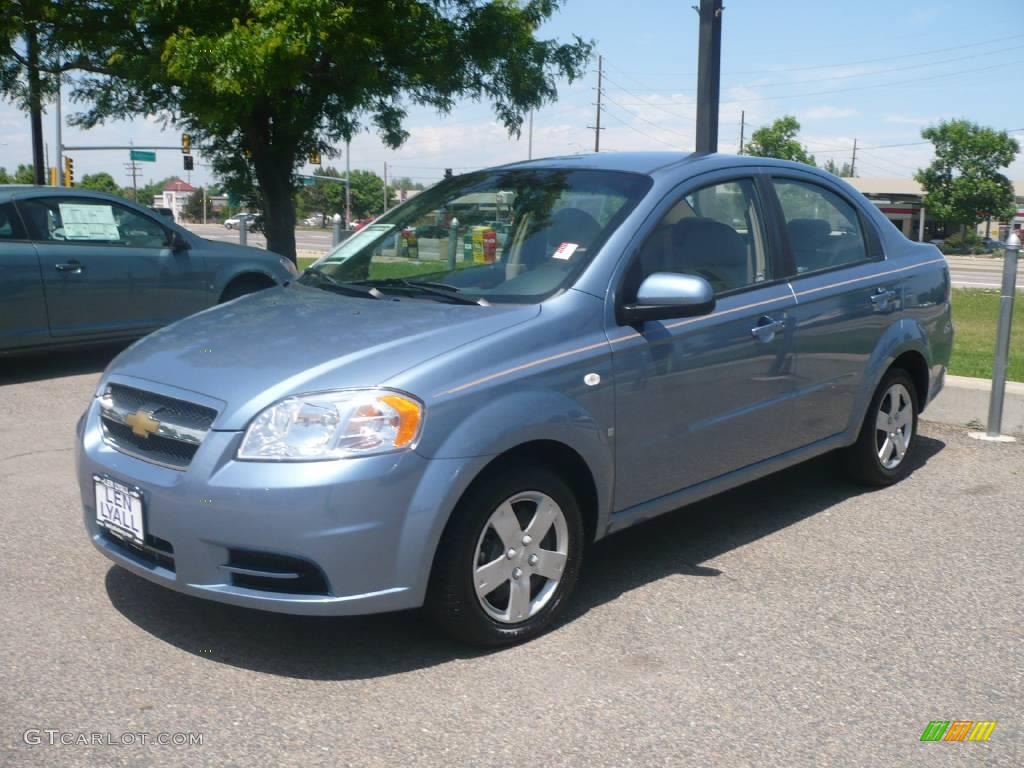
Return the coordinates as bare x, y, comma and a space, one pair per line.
442, 290
348, 289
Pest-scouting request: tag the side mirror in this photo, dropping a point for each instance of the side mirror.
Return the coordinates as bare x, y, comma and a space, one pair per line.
179, 243
668, 295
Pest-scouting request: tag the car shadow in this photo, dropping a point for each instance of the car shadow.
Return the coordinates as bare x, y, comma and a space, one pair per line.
38, 366
363, 647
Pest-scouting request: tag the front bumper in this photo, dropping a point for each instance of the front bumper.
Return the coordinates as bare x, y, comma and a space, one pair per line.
367, 526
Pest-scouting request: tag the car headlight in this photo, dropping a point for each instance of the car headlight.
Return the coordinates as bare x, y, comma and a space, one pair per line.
287, 264
333, 425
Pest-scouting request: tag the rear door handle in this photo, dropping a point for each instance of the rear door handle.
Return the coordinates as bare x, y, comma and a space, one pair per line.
74, 267
881, 297
766, 328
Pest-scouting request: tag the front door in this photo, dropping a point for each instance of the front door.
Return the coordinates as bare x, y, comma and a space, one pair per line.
697, 398
108, 269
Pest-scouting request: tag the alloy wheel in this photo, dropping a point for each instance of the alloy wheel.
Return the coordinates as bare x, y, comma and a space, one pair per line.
894, 426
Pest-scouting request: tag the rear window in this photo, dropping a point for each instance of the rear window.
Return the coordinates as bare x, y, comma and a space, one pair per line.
10, 224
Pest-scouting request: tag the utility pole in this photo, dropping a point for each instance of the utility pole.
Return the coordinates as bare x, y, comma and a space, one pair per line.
709, 71
597, 122
134, 168
348, 187
60, 137
853, 160
35, 104
743, 125
385, 186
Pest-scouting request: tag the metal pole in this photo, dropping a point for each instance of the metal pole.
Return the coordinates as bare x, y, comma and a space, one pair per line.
60, 138
1007, 295
920, 226
709, 70
336, 233
385, 186
242, 237
597, 122
204, 204
348, 188
529, 144
35, 106
743, 127
853, 160
453, 242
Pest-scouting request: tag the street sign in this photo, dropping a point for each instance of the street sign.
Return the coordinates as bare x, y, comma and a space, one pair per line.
142, 155
308, 181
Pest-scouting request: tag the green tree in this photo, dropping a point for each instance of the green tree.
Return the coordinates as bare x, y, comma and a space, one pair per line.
779, 140
101, 182
963, 184
25, 174
5, 178
260, 84
193, 210
326, 197
844, 171
367, 194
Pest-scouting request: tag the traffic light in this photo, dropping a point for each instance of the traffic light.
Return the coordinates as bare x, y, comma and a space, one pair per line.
69, 172
314, 158
448, 173
186, 144
189, 164
53, 176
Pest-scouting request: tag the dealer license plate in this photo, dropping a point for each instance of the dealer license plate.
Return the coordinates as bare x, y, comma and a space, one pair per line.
119, 508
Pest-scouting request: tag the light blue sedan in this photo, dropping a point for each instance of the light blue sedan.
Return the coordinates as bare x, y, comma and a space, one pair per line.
78, 266
451, 425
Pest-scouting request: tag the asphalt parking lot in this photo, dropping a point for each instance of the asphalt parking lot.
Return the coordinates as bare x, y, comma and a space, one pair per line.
796, 621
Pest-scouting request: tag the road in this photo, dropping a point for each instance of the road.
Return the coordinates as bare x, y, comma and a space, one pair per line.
966, 271
798, 621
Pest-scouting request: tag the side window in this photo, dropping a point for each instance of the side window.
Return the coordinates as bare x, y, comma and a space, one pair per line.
824, 230
716, 232
10, 224
81, 220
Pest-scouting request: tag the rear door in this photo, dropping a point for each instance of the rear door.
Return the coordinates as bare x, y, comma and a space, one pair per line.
22, 303
846, 297
108, 269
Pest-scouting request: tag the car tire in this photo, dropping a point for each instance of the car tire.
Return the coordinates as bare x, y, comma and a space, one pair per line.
242, 286
228, 226
890, 424
514, 499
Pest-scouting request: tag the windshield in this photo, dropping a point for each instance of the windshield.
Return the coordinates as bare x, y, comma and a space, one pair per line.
493, 236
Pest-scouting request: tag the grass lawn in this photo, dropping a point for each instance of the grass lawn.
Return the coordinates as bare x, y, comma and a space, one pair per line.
975, 313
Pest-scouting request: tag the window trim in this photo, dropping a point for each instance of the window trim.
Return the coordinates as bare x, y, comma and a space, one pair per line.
169, 234
872, 243
694, 184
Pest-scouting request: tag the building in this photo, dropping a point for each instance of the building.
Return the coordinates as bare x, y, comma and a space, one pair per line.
901, 202
174, 196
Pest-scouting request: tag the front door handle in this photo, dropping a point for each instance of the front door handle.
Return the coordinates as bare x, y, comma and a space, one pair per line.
74, 267
766, 328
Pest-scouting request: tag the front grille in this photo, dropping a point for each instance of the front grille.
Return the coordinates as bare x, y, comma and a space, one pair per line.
182, 425
274, 573
159, 449
156, 551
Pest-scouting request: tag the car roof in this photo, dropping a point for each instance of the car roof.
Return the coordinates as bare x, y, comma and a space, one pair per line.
25, 191
654, 163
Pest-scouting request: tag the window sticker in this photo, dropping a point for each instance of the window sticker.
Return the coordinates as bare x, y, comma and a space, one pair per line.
565, 251
88, 222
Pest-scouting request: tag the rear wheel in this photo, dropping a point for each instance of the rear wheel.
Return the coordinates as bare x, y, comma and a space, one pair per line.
509, 558
888, 435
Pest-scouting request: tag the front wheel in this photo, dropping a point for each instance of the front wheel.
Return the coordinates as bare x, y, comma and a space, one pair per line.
508, 559
888, 436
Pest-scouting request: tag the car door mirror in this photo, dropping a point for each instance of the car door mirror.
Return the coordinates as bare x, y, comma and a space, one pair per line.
179, 243
667, 295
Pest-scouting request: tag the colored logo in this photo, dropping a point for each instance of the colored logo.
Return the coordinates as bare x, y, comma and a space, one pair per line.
958, 730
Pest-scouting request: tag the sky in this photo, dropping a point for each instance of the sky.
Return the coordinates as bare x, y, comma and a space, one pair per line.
877, 72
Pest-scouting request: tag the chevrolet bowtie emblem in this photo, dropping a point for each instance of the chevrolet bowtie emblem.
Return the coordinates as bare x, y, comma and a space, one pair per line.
142, 423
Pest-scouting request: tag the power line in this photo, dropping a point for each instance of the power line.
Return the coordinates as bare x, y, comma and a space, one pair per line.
637, 130
645, 120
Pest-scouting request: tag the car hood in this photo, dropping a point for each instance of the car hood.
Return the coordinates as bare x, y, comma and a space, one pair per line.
255, 350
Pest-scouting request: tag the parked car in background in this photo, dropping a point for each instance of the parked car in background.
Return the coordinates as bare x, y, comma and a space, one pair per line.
78, 266
235, 221
315, 220
378, 435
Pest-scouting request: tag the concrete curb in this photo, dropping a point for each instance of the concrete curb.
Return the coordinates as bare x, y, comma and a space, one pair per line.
964, 403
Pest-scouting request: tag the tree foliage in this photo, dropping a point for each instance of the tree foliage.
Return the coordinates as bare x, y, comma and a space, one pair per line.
260, 84
101, 182
963, 184
844, 171
779, 140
